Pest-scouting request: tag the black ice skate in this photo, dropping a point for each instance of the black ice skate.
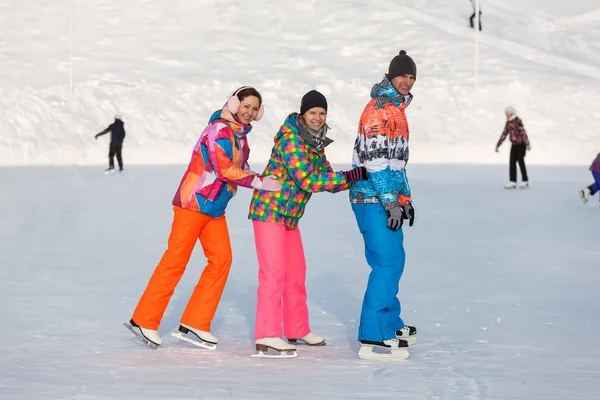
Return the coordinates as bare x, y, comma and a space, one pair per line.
408, 333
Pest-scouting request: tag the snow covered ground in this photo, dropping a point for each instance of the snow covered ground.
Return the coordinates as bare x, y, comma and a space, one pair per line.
166, 65
502, 285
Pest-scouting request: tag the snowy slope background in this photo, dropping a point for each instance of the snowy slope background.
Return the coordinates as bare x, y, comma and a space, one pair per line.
166, 65
503, 285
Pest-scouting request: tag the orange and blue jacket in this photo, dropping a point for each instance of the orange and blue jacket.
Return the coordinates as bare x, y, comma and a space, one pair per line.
381, 147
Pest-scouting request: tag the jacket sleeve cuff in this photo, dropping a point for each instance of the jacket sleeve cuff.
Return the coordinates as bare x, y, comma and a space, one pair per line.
404, 200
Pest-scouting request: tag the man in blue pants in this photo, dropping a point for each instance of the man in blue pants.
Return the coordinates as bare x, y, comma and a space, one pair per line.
381, 204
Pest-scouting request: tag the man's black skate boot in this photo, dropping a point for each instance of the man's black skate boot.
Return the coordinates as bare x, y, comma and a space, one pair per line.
408, 333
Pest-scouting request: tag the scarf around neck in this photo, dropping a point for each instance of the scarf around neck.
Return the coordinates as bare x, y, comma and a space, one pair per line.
316, 137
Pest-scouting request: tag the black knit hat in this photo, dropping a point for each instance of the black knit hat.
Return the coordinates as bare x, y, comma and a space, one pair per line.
402, 64
312, 99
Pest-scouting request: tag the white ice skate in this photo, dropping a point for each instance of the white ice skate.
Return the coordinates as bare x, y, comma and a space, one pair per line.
206, 339
148, 336
109, 171
523, 185
408, 333
311, 339
585, 195
510, 185
284, 349
392, 349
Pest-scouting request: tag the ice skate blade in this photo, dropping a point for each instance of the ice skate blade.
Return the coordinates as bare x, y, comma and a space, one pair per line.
304, 343
366, 353
150, 344
204, 345
282, 354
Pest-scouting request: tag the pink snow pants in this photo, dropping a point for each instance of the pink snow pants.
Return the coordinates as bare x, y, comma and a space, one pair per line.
281, 282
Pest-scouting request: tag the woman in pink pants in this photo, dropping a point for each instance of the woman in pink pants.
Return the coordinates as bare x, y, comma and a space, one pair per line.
299, 163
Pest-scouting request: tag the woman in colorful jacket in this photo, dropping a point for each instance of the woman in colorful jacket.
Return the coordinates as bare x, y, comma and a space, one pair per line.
219, 164
298, 161
594, 187
381, 204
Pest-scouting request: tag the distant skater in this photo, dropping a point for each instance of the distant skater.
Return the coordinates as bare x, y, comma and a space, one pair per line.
589, 191
117, 136
472, 17
515, 130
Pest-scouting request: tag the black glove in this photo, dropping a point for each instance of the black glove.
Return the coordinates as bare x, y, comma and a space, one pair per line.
409, 213
395, 218
355, 174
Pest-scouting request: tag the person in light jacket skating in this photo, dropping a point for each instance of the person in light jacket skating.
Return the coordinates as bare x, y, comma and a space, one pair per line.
515, 130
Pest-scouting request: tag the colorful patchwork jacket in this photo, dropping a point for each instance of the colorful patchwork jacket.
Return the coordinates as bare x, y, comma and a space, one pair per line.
595, 167
381, 146
302, 169
219, 164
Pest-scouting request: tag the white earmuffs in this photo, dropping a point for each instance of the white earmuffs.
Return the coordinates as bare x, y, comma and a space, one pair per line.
233, 104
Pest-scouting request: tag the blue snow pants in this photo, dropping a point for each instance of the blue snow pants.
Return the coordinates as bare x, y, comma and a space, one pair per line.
384, 251
595, 187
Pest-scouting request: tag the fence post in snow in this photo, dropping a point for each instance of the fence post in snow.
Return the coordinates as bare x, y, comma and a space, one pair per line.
71, 48
476, 29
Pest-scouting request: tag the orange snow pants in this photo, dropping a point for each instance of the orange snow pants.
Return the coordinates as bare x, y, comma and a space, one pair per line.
188, 226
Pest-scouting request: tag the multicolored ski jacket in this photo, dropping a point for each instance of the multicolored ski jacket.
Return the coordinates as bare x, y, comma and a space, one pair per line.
381, 146
302, 169
515, 130
219, 164
595, 167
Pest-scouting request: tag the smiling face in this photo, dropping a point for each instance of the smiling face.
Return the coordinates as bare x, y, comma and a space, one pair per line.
403, 83
315, 117
248, 110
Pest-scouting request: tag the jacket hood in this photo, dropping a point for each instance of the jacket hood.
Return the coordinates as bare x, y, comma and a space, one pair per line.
384, 92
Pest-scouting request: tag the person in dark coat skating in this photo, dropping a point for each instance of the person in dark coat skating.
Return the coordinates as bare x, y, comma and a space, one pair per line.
117, 136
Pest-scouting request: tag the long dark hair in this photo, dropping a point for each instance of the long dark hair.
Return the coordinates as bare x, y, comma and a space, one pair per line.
247, 92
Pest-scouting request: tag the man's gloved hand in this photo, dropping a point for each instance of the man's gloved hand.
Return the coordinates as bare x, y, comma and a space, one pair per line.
409, 213
395, 218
